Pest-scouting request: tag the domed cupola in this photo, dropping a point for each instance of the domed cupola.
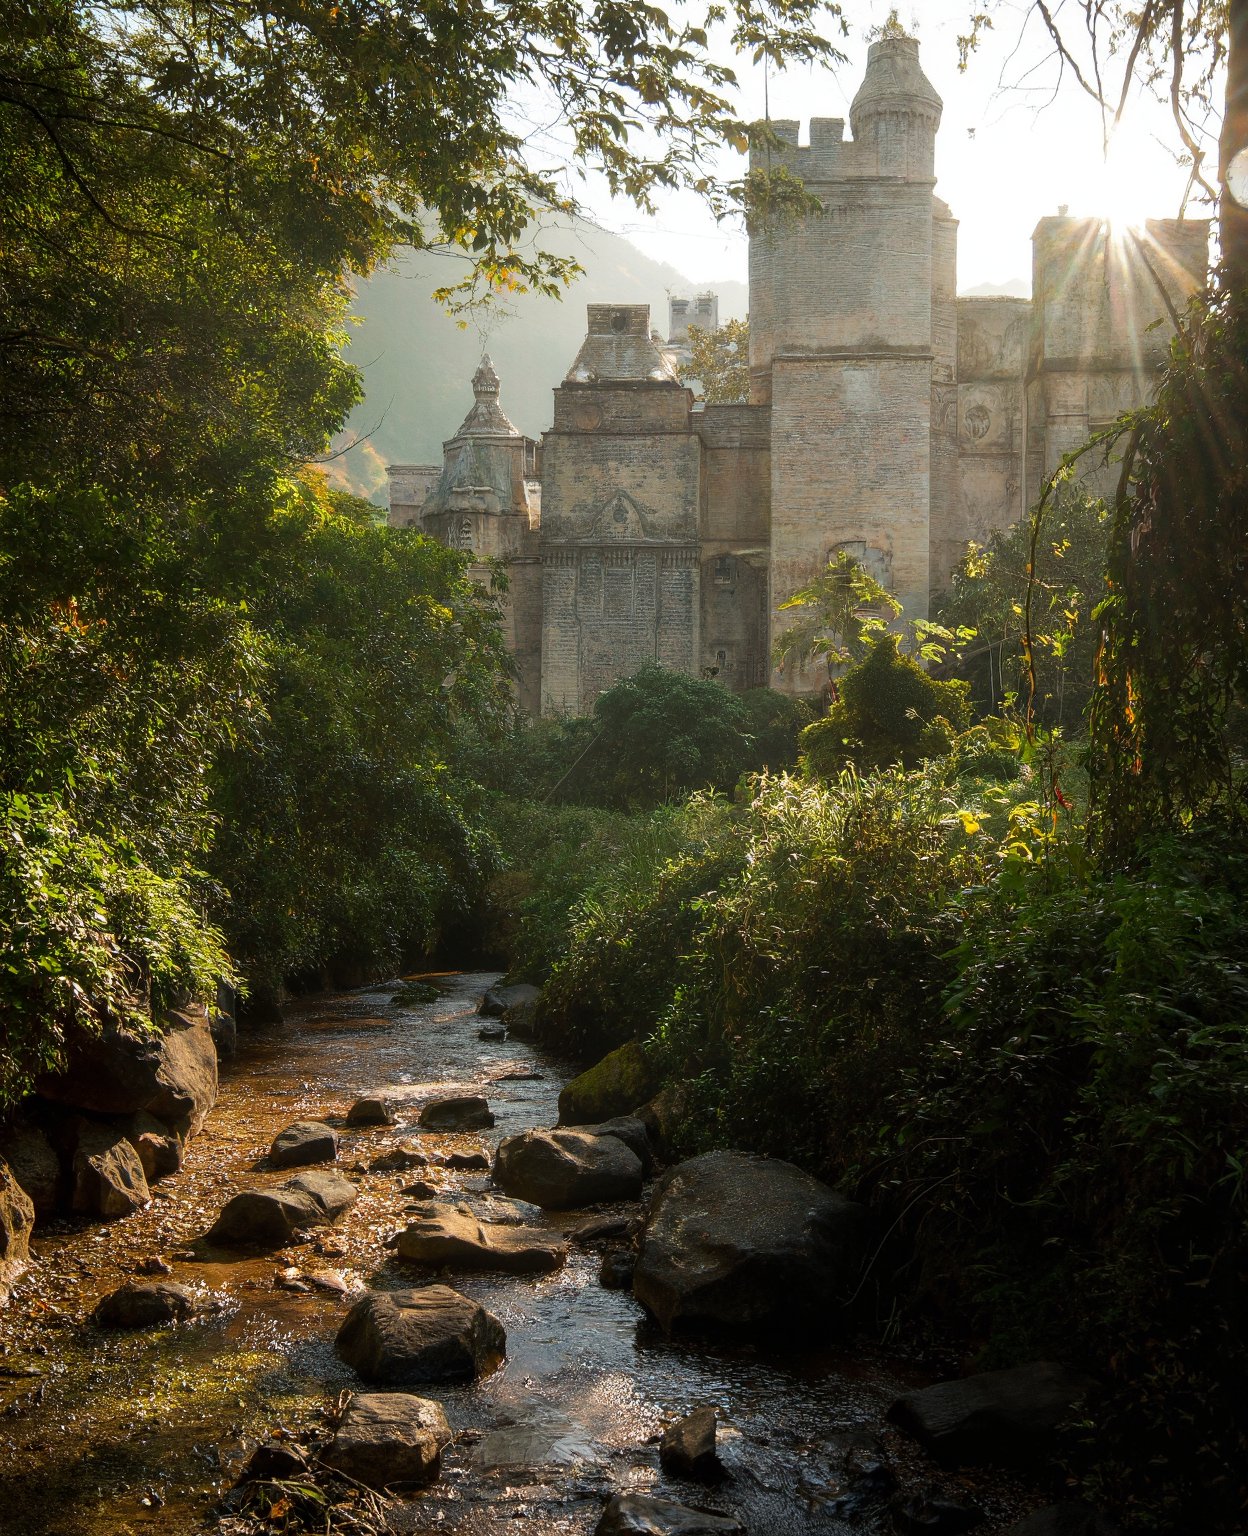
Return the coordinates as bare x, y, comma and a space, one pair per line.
897, 110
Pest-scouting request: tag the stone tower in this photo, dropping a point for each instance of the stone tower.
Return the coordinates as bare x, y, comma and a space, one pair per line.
843, 337
487, 501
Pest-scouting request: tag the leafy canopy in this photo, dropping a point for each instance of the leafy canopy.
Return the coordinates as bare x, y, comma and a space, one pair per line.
720, 362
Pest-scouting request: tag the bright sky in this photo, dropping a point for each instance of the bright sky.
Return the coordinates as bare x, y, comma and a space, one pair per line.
1011, 148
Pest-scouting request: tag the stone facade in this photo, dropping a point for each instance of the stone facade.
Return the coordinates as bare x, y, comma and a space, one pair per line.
886, 416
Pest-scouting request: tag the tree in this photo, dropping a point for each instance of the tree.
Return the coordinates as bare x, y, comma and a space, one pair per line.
720, 362
836, 614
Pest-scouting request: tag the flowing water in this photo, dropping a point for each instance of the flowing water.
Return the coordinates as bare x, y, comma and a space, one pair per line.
117, 1434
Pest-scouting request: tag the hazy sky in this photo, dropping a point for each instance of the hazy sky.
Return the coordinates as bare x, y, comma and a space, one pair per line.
1011, 148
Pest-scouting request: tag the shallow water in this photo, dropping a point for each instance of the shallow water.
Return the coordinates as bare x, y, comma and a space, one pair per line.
140, 1433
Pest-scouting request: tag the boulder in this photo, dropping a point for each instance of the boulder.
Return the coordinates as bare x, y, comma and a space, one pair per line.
160, 1146
688, 1446
34, 1164
615, 1273
462, 1112
1068, 1519
467, 1162
224, 1030
390, 1437
108, 1176
307, 1141
640, 1514
632, 1132
17, 1217
499, 999
451, 1237
144, 1304
492, 1032
999, 1416
749, 1243
615, 1086
171, 1073
398, 1160
520, 1019
274, 1460
433, 1334
270, 1217
370, 1111
560, 1170
663, 1116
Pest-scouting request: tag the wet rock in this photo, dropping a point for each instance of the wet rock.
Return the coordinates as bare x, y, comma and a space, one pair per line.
224, 1030
119, 1070
1068, 1519
688, 1446
160, 1146
387, 1438
145, 1304
398, 1160
270, 1217
33, 1162
108, 1176
663, 1117
928, 1515
615, 1273
560, 1170
422, 1190
274, 1460
467, 1162
370, 1111
433, 1334
17, 1217
639, 1514
615, 1086
630, 1130
875, 1481
520, 1019
462, 1112
749, 1243
998, 1416
451, 1237
599, 1229
499, 999
492, 1032
307, 1141
153, 1265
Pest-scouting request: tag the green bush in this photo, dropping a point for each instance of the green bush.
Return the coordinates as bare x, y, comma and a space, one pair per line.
889, 710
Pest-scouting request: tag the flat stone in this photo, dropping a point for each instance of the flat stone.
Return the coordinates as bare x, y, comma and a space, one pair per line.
270, 1217
370, 1111
460, 1112
432, 1334
305, 1142
640, 1514
467, 1162
451, 1237
144, 1304
561, 1170
998, 1416
387, 1438
17, 1217
498, 999
688, 1446
108, 1175
749, 1243
600, 1229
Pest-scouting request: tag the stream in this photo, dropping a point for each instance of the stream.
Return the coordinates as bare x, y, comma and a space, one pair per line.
117, 1434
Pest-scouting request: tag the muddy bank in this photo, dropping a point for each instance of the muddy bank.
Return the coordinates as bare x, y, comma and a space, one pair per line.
142, 1432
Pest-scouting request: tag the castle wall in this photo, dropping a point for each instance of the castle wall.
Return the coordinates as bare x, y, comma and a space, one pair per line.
734, 543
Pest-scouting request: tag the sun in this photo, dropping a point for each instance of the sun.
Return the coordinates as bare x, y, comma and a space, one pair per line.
1120, 185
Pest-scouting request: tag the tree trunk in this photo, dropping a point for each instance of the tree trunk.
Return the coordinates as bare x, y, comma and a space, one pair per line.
1233, 214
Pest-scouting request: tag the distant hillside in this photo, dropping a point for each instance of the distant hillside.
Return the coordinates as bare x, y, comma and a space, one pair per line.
418, 363
1014, 288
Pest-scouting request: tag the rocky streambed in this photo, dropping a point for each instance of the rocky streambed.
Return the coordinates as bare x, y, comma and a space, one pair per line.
574, 1396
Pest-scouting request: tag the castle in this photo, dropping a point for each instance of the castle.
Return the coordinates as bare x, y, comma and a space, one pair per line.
886, 416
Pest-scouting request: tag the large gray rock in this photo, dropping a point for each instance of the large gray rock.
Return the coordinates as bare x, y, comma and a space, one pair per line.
998, 1416
433, 1334
461, 1112
632, 1132
390, 1437
370, 1110
108, 1175
34, 1164
561, 1170
616, 1085
271, 1217
144, 1304
17, 1217
171, 1074
307, 1141
640, 1514
748, 1242
499, 999
451, 1237
160, 1147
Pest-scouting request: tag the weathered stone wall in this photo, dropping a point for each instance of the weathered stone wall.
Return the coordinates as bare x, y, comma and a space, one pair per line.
735, 543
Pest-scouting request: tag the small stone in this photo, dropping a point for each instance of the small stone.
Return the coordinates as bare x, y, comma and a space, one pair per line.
688, 1446
370, 1111
467, 1162
460, 1112
398, 1160
615, 1273
492, 1032
432, 1334
421, 1189
154, 1265
144, 1304
305, 1142
387, 1438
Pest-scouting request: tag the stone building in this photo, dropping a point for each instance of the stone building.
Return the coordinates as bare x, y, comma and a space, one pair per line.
887, 417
